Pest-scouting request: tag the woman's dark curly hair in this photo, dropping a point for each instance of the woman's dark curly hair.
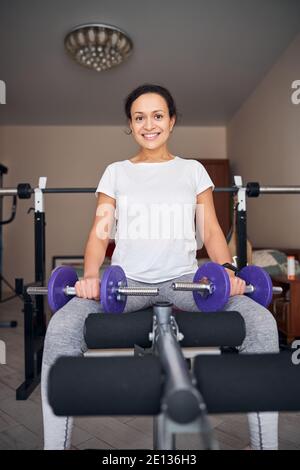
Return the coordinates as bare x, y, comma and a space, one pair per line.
149, 88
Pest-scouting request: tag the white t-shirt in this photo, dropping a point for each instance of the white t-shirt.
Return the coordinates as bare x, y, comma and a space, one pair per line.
155, 216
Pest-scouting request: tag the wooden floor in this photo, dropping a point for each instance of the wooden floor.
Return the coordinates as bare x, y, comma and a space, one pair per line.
21, 421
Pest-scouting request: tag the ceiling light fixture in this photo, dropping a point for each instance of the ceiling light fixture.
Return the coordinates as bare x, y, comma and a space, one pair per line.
98, 46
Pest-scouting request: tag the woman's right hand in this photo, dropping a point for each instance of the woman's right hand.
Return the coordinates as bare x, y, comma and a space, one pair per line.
88, 288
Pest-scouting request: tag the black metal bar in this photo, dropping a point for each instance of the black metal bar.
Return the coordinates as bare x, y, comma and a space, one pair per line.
33, 349
34, 315
241, 228
179, 384
233, 189
40, 260
180, 402
26, 388
29, 338
68, 190
22, 392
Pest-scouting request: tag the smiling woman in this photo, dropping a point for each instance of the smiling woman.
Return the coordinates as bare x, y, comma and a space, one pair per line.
153, 198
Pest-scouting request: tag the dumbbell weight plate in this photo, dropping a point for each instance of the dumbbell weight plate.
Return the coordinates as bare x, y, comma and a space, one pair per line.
109, 283
262, 283
61, 277
217, 275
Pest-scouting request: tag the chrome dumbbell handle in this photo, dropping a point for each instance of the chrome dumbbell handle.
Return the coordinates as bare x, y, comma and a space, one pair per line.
138, 290
191, 286
37, 290
44, 290
249, 289
208, 288
277, 290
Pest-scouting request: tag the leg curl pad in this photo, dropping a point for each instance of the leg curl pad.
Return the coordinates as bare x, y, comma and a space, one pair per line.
105, 386
249, 382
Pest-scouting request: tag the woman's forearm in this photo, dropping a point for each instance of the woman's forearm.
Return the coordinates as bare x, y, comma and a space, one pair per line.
217, 248
94, 256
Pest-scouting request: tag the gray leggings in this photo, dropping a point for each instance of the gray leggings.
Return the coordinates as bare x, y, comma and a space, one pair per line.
64, 337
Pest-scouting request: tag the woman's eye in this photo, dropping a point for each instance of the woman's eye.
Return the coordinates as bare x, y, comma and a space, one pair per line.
157, 116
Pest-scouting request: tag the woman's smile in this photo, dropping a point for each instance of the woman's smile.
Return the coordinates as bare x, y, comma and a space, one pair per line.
151, 136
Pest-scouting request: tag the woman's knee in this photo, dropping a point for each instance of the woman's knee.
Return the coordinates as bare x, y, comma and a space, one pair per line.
267, 328
64, 335
273, 331
62, 320
261, 326
263, 338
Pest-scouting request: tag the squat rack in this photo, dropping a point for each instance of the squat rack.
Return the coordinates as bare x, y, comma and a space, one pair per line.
34, 311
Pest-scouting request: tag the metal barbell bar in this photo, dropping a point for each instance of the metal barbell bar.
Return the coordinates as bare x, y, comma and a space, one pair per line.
24, 190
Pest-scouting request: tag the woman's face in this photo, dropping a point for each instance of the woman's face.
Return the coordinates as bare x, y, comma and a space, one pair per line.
150, 121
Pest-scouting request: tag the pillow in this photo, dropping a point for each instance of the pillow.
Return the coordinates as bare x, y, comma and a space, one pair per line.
273, 261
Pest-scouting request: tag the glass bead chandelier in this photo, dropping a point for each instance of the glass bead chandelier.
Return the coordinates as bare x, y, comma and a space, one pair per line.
98, 46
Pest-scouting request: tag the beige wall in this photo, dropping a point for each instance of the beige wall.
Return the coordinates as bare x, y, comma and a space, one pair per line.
73, 156
264, 145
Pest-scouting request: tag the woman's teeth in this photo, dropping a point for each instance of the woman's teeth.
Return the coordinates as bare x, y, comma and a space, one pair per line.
150, 136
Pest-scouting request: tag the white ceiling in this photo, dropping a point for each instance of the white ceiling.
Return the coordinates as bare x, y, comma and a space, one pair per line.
211, 54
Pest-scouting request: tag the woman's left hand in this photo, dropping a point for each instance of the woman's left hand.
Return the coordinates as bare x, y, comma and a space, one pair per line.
237, 286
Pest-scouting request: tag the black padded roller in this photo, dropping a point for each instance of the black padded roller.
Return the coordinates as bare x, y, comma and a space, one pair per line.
248, 382
108, 331
102, 386
211, 328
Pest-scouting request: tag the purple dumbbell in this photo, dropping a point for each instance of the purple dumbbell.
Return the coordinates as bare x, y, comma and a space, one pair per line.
113, 289
60, 288
211, 286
